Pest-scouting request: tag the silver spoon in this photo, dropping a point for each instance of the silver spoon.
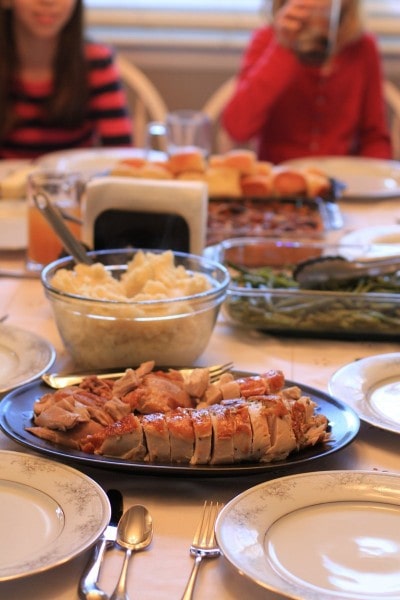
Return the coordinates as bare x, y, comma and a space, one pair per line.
53, 214
336, 268
135, 532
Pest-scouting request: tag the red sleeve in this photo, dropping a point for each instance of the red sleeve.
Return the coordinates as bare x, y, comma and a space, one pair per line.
267, 70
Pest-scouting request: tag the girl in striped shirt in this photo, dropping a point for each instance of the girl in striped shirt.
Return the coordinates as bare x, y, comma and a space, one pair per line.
57, 90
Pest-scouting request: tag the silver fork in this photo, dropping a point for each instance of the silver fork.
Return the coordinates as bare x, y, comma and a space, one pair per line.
59, 380
204, 544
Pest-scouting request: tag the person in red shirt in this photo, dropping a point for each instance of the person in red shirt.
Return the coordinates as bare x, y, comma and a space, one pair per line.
293, 107
57, 89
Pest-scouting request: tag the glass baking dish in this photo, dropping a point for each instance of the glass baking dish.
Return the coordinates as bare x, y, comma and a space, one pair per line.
278, 306
296, 217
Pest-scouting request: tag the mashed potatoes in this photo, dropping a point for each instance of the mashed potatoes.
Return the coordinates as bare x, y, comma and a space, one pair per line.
149, 276
147, 314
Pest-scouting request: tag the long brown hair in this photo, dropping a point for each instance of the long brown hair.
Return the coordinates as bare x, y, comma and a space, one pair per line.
67, 105
351, 20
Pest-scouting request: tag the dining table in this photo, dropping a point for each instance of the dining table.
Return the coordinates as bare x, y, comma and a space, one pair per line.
175, 500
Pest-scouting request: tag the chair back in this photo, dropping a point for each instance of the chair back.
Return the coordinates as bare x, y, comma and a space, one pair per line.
213, 108
146, 103
391, 94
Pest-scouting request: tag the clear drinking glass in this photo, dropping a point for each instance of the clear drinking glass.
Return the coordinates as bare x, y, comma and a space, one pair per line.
317, 40
62, 189
183, 131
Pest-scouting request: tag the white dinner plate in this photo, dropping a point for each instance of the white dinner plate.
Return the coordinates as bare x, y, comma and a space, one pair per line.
365, 178
49, 513
371, 386
13, 224
91, 161
331, 535
380, 240
23, 356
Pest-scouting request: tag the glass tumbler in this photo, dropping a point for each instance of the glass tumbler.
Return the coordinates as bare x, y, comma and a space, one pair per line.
183, 131
63, 190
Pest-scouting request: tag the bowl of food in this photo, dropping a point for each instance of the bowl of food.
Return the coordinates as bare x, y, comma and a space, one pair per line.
131, 306
264, 293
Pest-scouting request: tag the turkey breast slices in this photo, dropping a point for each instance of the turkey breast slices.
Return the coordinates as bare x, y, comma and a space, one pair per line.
259, 429
250, 419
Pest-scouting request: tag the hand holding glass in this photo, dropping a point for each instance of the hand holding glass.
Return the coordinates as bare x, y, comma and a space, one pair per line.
317, 39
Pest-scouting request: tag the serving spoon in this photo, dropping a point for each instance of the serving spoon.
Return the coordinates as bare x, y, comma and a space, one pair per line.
54, 216
135, 532
321, 270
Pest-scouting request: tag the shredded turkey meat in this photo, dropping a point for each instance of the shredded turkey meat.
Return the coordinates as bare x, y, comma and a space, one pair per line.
175, 417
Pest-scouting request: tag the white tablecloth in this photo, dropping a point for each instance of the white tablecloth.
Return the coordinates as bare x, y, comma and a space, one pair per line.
161, 571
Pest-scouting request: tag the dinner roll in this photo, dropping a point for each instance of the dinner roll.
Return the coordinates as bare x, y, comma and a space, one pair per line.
191, 176
154, 171
190, 160
317, 184
263, 167
256, 185
288, 182
223, 182
242, 160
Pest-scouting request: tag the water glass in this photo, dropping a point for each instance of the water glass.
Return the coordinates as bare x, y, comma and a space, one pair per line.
183, 131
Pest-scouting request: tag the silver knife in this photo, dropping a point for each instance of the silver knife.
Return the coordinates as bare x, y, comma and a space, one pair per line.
88, 581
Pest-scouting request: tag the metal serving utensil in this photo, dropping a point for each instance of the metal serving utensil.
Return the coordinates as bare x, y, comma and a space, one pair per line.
321, 270
54, 216
60, 380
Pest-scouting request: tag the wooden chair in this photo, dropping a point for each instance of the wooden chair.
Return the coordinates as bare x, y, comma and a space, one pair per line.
392, 98
213, 108
145, 101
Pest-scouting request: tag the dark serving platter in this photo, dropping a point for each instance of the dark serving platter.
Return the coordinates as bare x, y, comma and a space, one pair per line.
16, 410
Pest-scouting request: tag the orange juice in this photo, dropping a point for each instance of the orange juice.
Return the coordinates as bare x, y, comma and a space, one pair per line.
61, 189
44, 246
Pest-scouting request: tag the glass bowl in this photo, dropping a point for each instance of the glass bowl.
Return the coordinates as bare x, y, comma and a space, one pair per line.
104, 333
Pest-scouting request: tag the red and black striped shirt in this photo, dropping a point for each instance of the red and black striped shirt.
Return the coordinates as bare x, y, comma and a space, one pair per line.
107, 122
